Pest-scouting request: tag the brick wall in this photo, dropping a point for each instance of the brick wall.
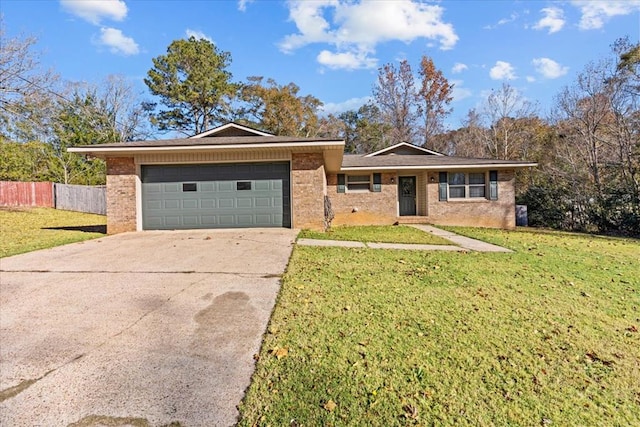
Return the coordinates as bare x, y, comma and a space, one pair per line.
308, 186
121, 195
364, 208
475, 213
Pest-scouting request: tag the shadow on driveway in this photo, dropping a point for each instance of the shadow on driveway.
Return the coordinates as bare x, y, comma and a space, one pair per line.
84, 228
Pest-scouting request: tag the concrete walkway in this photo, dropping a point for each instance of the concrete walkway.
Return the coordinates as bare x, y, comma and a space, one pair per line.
463, 244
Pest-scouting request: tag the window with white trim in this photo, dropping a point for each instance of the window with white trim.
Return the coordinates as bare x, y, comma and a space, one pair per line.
467, 185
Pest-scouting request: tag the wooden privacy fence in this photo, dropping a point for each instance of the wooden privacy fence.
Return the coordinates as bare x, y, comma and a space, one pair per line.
26, 194
80, 198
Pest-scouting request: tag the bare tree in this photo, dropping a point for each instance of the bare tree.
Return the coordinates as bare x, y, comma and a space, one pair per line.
503, 109
24, 88
394, 94
583, 111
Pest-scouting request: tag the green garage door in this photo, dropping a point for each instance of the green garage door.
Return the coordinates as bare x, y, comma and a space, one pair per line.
215, 196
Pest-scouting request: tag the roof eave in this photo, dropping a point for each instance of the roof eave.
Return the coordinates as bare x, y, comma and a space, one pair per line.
437, 167
122, 151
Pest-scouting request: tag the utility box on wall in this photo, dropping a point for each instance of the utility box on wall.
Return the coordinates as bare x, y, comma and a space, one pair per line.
521, 216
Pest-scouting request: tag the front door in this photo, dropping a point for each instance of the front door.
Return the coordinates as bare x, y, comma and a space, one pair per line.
407, 191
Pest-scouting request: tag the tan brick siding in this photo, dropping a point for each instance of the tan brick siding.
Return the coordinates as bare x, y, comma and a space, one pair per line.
364, 208
121, 195
308, 186
475, 213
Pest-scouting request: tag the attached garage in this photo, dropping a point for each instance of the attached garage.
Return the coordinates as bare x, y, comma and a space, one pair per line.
232, 176
232, 195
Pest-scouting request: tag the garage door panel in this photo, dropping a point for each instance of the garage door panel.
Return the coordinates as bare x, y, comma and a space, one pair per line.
216, 196
207, 187
171, 188
208, 203
263, 202
244, 203
226, 186
226, 203
171, 204
209, 220
190, 204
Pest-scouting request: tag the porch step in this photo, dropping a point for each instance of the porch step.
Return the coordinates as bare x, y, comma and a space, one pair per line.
412, 219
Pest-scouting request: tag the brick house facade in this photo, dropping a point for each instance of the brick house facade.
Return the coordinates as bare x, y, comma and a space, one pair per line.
198, 182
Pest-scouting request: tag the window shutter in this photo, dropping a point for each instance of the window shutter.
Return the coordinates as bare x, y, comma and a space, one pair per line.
493, 185
377, 182
443, 187
341, 183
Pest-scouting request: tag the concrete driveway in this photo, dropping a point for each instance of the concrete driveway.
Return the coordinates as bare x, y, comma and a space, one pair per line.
137, 329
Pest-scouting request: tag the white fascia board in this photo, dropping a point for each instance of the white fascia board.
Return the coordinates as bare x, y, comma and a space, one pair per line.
436, 167
227, 126
134, 150
403, 144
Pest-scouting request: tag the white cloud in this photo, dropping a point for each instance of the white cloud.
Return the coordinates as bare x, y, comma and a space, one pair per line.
549, 68
459, 67
117, 42
94, 11
503, 21
553, 20
596, 12
355, 28
459, 91
198, 35
530, 79
346, 60
341, 107
242, 4
502, 71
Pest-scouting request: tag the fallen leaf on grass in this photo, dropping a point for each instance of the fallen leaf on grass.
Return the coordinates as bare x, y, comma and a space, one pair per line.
632, 328
330, 405
280, 352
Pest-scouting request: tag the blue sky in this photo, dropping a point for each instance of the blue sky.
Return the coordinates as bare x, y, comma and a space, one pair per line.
332, 49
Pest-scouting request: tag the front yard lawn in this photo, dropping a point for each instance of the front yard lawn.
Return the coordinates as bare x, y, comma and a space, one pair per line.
377, 234
546, 336
24, 230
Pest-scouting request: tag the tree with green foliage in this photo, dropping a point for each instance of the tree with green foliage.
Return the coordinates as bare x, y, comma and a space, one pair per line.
25, 161
279, 109
193, 84
84, 120
363, 130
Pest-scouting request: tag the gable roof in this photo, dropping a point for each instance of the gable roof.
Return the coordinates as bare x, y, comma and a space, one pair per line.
403, 147
231, 129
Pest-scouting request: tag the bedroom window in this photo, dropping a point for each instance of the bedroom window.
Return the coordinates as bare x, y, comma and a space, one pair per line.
468, 185
359, 183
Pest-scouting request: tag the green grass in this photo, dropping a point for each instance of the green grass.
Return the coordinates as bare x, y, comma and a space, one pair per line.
548, 335
376, 234
24, 230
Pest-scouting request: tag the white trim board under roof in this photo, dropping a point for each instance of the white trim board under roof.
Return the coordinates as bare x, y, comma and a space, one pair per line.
412, 147
353, 162
248, 131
